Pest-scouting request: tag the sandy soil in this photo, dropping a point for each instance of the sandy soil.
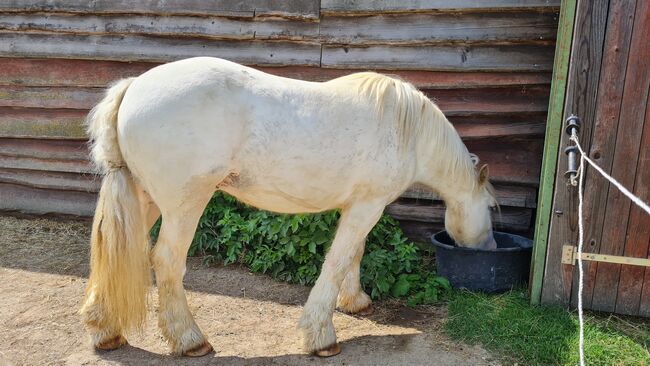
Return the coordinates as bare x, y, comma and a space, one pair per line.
250, 319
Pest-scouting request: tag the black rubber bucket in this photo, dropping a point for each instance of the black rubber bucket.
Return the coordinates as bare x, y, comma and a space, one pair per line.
491, 271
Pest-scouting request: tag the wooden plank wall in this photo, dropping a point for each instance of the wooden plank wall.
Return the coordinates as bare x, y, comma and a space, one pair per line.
487, 64
608, 88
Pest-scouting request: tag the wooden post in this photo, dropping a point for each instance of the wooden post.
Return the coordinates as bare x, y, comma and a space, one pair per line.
551, 143
582, 87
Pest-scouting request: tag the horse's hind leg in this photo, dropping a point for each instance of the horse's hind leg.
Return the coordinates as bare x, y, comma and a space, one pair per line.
352, 299
169, 257
150, 210
316, 322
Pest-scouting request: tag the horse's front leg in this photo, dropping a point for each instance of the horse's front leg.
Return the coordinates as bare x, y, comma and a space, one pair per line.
316, 322
169, 260
352, 299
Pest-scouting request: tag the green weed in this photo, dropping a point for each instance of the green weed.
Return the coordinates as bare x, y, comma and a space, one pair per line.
292, 248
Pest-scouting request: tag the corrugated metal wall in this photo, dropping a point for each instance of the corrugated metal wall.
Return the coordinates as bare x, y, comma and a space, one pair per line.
487, 64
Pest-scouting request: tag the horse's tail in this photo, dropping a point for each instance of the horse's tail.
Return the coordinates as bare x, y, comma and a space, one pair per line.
120, 272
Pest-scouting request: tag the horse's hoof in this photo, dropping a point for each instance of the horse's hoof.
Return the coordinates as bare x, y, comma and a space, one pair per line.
367, 311
111, 344
330, 351
199, 351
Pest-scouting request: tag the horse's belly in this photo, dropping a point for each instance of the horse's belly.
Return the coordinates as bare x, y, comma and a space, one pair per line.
314, 172
279, 200
315, 185
279, 182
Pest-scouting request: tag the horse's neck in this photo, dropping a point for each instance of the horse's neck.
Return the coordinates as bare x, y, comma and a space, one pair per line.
444, 163
448, 185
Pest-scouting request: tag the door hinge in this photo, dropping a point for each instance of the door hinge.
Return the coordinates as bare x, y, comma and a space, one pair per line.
570, 255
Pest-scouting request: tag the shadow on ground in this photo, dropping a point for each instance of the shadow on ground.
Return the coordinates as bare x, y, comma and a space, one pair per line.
359, 347
61, 247
250, 319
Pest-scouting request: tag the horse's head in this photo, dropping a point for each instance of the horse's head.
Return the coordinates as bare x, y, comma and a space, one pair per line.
467, 219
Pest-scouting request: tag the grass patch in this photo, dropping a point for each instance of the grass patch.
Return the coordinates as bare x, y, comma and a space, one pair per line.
538, 335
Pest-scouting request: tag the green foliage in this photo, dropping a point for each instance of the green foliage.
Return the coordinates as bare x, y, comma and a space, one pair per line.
292, 248
539, 335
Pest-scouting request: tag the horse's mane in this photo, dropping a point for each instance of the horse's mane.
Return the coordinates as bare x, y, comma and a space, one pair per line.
418, 119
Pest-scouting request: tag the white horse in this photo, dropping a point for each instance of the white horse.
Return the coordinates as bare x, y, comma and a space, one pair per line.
168, 139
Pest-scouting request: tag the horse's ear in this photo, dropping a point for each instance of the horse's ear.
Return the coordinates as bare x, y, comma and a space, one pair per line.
483, 174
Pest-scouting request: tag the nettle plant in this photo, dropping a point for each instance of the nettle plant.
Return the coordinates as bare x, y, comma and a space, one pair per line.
292, 248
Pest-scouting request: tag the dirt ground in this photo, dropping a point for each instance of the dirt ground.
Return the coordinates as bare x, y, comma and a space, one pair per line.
249, 319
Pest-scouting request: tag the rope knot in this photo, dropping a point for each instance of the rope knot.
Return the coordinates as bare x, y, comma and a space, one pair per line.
113, 167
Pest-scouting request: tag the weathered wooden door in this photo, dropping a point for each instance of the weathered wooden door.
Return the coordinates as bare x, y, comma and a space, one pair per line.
607, 87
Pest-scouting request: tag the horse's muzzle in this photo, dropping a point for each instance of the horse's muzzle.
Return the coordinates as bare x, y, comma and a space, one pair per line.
489, 243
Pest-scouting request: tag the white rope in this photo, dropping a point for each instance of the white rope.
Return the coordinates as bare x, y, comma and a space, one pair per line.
581, 320
635, 199
618, 185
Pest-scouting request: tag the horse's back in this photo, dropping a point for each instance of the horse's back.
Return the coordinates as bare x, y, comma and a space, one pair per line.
209, 117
